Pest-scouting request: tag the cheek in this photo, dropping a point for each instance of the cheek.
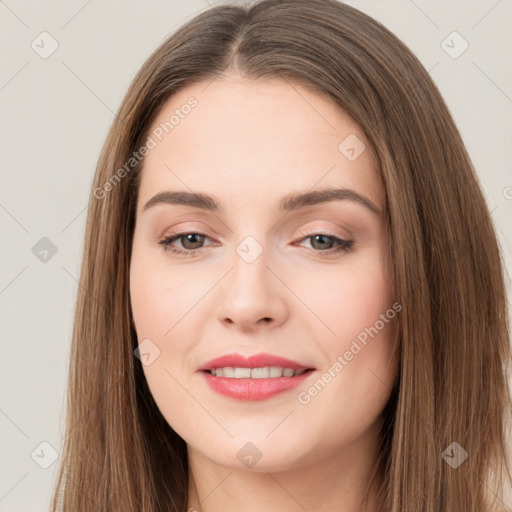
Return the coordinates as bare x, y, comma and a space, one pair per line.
359, 320
355, 383
157, 308
347, 298
164, 306
160, 295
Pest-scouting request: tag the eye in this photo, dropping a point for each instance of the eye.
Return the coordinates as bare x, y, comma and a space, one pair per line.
191, 243
336, 245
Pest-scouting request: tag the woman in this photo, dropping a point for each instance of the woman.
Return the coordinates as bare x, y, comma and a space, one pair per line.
223, 357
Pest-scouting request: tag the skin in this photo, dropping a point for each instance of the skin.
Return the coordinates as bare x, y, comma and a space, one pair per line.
249, 143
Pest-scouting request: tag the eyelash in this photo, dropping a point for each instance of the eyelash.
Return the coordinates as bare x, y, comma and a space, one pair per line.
343, 245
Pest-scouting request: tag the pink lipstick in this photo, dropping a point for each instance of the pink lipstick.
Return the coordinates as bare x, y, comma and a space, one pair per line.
258, 377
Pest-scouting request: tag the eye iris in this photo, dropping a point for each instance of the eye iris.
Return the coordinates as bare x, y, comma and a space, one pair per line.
315, 237
192, 235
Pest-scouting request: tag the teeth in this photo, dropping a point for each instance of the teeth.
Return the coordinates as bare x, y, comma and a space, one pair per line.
242, 373
256, 373
260, 373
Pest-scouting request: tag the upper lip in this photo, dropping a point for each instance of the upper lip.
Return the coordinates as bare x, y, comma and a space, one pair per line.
256, 361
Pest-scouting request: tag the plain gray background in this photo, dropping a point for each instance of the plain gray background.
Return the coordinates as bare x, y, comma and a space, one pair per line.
56, 112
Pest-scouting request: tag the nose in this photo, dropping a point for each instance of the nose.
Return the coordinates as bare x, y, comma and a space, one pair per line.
252, 295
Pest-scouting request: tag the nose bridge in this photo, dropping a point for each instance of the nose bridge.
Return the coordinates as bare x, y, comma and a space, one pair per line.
251, 267
251, 291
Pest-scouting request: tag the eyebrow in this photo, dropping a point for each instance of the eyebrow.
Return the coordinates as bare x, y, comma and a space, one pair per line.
290, 202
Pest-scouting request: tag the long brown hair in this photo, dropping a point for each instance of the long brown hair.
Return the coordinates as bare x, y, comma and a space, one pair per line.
119, 452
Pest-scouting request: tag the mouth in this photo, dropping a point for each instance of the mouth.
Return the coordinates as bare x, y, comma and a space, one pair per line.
266, 372
266, 366
254, 378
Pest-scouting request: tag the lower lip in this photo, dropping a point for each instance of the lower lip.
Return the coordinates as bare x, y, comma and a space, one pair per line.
253, 389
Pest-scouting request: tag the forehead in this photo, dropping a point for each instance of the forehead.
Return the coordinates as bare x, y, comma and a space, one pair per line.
254, 141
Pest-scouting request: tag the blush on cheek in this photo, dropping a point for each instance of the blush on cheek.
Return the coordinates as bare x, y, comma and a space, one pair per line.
356, 312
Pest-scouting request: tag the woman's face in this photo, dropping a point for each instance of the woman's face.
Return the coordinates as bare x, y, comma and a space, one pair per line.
266, 273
